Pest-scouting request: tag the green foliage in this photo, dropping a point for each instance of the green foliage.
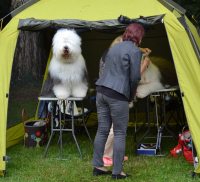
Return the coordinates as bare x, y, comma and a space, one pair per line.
5, 7
4, 10
192, 7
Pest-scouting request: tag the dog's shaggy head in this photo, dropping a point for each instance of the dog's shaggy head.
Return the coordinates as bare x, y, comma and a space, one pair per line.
66, 45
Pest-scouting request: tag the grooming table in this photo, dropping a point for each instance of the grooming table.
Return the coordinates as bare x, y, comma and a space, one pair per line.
159, 93
70, 108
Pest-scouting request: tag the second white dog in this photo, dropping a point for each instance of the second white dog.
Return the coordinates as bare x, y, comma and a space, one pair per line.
150, 80
158, 75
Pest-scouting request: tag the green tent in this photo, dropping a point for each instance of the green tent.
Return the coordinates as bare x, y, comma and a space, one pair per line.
174, 38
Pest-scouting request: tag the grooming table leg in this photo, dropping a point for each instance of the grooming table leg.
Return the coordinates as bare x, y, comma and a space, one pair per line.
166, 125
51, 110
149, 126
85, 125
72, 110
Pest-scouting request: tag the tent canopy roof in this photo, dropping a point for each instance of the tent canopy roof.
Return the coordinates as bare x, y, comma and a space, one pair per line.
115, 24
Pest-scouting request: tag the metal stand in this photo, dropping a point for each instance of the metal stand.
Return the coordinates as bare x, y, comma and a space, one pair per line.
70, 108
61, 129
147, 120
159, 127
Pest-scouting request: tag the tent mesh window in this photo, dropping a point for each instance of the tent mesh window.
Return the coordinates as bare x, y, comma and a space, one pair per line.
29, 64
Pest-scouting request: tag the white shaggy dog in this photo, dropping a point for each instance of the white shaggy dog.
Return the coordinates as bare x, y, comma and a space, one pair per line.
158, 75
150, 80
67, 70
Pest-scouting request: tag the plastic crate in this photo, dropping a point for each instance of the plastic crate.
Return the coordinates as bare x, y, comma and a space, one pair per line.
149, 149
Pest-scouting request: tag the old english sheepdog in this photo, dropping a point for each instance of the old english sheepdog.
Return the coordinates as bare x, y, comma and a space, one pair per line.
67, 73
158, 75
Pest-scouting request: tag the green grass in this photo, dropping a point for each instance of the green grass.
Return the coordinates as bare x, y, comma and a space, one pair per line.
28, 164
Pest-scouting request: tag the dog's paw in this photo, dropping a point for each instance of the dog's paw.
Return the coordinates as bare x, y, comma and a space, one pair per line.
62, 96
142, 94
79, 91
61, 92
79, 94
167, 86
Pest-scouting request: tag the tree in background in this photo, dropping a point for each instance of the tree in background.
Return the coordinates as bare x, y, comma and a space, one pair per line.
4, 10
192, 7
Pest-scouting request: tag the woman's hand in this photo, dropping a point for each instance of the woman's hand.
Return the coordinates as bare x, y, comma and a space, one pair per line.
146, 62
134, 96
136, 93
147, 51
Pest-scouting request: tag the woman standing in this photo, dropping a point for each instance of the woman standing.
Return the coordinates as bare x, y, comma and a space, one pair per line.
115, 90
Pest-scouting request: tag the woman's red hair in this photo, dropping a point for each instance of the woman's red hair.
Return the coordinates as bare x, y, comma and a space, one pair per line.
134, 32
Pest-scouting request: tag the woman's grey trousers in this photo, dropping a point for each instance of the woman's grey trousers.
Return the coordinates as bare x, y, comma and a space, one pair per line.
111, 111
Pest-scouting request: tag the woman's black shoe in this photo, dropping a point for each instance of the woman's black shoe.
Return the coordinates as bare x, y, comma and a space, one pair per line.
97, 172
119, 176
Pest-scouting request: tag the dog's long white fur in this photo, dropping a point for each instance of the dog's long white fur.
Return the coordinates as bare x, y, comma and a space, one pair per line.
68, 67
150, 80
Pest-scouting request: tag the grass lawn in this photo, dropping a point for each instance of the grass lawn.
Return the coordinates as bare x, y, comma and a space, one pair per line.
28, 164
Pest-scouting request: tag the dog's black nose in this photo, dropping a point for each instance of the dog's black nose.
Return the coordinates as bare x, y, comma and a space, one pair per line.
66, 47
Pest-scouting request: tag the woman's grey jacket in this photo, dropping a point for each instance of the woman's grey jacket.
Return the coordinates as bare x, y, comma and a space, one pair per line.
122, 70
